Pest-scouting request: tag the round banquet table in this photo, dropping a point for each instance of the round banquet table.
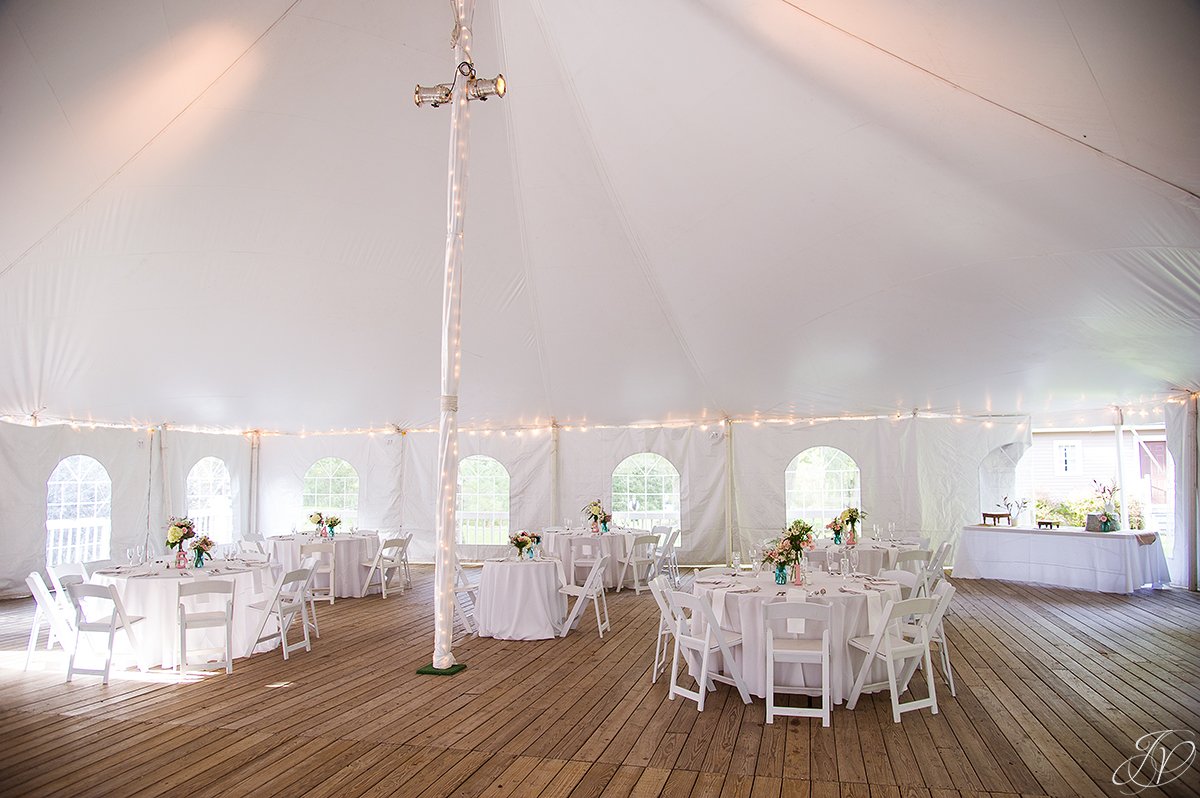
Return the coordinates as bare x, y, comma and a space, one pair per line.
519, 600
738, 604
873, 555
613, 544
152, 592
350, 552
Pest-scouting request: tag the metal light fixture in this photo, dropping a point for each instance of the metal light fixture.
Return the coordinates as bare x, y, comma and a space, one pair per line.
434, 95
481, 89
477, 88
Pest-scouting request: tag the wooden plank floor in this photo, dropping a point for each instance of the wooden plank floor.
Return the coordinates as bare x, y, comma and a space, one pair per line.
1054, 688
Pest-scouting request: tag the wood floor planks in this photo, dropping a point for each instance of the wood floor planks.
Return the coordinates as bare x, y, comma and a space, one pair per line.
1054, 688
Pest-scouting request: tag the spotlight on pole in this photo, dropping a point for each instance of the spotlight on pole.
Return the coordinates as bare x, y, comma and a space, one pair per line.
434, 95
481, 89
477, 88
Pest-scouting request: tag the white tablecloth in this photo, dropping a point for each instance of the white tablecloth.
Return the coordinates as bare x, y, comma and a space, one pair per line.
350, 552
873, 555
614, 544
743, 614
519, 600
1105, 562
156, 597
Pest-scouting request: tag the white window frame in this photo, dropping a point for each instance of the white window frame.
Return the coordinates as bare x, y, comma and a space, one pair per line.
1068, 458
82, 526
829, 503
331, 493
660, 485
482, 480
210, 499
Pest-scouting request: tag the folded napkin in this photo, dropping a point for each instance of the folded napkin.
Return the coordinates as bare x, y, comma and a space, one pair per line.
718, 604
796, 625
1146, 538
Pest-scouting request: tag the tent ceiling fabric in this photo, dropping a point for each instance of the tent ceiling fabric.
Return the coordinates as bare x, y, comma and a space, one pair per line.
231, 214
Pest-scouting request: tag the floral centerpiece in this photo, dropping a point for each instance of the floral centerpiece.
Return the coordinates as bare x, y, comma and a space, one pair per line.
837, 526
201, 548
317, 520
788, 549
331, 523
596, 513
523, 539
846, 523
180, 530
1110, 519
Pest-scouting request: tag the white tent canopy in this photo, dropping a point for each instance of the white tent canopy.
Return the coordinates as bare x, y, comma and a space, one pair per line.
229, 215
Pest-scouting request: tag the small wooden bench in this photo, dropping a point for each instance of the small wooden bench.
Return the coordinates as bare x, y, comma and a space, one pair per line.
994, 518
1049, 524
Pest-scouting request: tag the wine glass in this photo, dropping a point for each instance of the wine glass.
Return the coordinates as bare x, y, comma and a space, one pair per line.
737, 561
853, 555
140, 551
129, 554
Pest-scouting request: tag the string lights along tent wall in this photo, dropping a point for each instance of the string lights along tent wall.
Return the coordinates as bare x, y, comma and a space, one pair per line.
219, 217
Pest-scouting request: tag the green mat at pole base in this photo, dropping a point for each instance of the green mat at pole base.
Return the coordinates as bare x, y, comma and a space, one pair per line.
429, 670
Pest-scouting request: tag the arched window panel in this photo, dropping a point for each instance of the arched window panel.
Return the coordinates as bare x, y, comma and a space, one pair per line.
210, 499
645, 492
819, 483
482, 501
331, 487
78, 511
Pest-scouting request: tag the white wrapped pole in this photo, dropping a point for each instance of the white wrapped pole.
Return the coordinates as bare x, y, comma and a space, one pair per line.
445, 558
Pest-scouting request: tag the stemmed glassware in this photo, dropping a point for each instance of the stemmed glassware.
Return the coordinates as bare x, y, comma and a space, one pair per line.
129, 554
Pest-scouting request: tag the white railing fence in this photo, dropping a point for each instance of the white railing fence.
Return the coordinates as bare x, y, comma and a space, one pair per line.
647, 519
482, 528
77, 540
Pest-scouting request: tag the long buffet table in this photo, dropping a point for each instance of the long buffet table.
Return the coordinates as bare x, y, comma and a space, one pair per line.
1105, 562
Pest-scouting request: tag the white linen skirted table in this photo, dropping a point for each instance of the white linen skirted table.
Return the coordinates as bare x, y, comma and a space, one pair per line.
873, 555
856, 612
614, 544
1103, 562
350, 552
153, 593
519, 600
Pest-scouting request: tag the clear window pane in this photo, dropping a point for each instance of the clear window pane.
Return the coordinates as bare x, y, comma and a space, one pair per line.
645, 492
331, 485
210, 499
482, 501
78, 522
819, 483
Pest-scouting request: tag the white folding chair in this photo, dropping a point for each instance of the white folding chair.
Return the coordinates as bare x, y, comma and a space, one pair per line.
389, 559
202, 590
903, 637
255, 548
697, 632
463, 589
288, 599
906, 579
321, 557
592, 590
641, 557
89, 601
783, 647
935, 571
586, 551
944, 593
660, 588
667, 563
59, 626
57, 572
